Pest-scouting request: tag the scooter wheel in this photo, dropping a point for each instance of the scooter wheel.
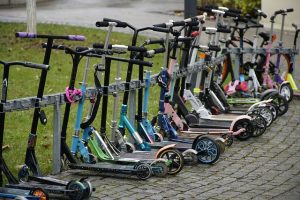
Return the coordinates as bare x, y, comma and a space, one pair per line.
281, 104
88, 188
143, 171
160, 168
286, 91
221, 143
246, 124
266, 113
39, 192
23, 173
259, 123
208, 150
190, 157
273, 109
228, 139
76, 190
176, 160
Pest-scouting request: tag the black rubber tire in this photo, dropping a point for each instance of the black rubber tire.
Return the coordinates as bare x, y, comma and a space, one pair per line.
244, 123
208, 150
281, 103
177, 160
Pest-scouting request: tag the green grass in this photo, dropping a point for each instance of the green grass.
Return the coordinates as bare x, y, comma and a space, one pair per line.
23, 83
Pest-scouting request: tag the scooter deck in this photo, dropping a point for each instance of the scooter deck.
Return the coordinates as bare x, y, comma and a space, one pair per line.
137, 155
51, 189
11, 193
228, 117
105, 168
214, 124
181, 144
205, 130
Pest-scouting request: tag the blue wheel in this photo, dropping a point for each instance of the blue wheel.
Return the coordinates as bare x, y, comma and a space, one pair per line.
208, 150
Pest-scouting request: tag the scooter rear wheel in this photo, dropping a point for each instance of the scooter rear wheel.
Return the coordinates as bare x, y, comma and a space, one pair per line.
244, 123
208, 150
176, 158
259, 123
143, 171
88, 187
281, 103
77, 190
286, 91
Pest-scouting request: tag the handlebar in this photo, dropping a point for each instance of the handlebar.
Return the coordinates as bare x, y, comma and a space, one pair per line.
122, 47
157, 41
34, 35
26, 64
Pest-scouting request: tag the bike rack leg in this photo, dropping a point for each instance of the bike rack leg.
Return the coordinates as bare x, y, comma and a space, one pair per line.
132, 108
56, 139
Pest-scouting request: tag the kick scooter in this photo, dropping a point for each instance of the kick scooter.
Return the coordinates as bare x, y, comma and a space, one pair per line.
81, 189
80, 146
169, 152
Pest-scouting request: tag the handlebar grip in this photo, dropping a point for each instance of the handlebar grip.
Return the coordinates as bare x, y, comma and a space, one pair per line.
140, 62
184, 39
192, 23
79, 49
223, 30
163, 25
231, 14
290, 10
160, 50
179, 23
76, 37
118, 22
278, 12
161, 29
102, 24
98, 45
36, 66
25, 35
159, 41
138, 49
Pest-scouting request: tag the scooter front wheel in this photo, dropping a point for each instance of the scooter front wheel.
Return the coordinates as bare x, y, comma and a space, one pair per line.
161, 169
175, 158
208, 150
259, 123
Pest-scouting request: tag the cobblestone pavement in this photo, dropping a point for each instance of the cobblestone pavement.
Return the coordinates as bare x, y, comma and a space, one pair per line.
267, 167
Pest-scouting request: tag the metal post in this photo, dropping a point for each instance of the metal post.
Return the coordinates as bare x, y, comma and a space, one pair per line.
31, 16
56, 139
190, 8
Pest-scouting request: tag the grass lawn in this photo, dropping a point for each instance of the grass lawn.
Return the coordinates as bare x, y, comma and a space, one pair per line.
23, 82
